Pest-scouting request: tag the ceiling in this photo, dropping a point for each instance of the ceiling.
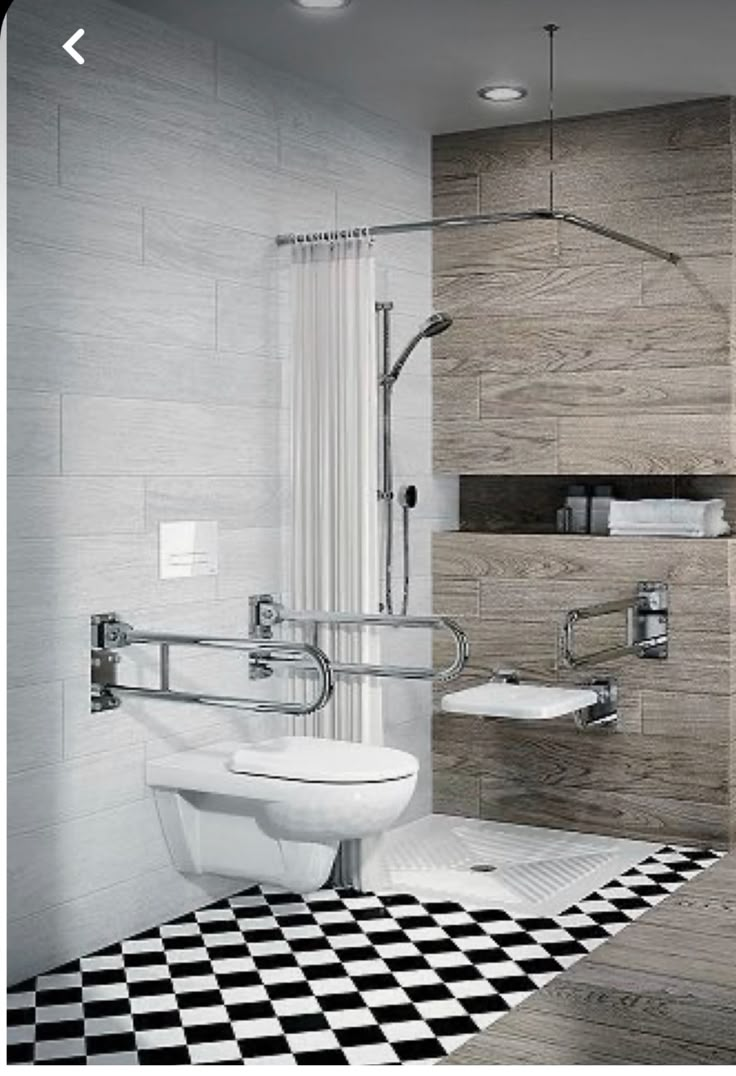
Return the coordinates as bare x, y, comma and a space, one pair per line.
421, 61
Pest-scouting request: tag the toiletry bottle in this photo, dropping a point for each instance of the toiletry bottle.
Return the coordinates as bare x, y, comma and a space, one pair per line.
600, 509
577, 502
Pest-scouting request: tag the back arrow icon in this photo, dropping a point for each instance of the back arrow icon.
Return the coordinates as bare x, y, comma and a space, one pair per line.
68, 46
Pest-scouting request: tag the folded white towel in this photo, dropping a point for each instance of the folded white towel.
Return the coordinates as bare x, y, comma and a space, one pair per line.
669, 517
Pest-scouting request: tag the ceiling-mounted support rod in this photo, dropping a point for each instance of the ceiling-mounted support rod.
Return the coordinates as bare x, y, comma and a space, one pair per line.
478, 219
551, 29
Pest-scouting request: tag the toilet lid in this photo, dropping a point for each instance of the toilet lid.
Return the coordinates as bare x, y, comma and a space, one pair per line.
307, 758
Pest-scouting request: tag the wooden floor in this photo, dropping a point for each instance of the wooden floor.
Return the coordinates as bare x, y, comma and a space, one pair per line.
662, 992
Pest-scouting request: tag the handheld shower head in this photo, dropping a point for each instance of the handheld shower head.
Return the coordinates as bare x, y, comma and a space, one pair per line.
433, 326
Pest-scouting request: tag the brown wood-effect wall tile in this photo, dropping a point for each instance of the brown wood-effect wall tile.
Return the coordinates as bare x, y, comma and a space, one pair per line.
692, 225
495, 447
455, 196
657, 390
551, 756
637, 444
571, 557
459, 395
702, 282
571, 289
521, 245
624, 813
522, 344
694, 717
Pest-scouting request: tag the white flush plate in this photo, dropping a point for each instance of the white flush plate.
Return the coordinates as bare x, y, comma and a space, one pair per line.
187, 548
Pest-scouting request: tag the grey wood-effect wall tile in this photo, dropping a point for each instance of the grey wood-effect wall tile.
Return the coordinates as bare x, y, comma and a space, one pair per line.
571, 289
250, 562
251, 319
35, 726
34, 433
495, 446
303, 111
693, 717
56, 935
688, 225
61, 578
54, 507
50, 795
65, 649
630, 445
50, 216
146, 44
67, 362
650, 391
688, 336
99, 850
82, 294
125, 160
166, 438
193, 246
236, 503
32, 134
341, 165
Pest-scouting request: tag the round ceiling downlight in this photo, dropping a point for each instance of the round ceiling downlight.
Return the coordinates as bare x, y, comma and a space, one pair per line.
501, 94
321, 5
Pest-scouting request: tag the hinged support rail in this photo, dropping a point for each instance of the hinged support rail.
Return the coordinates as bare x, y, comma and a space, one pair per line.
110, 635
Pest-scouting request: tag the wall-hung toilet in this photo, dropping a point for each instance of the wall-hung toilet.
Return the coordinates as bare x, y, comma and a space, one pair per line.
276, 811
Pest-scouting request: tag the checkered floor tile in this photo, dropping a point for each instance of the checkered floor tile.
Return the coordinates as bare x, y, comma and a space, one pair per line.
339, 977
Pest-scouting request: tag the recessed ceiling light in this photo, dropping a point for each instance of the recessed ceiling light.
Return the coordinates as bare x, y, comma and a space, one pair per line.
321, 5
502, 93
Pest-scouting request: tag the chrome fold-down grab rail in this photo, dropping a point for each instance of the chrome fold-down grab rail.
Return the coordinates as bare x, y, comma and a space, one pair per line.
110, 634
647, 627
266, 613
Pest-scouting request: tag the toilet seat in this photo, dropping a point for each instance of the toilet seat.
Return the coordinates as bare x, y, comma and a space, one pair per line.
322, 761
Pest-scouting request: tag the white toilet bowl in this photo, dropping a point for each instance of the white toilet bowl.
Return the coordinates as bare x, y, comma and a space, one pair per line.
276, 811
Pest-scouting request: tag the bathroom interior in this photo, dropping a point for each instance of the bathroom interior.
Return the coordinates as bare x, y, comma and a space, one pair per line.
371, 483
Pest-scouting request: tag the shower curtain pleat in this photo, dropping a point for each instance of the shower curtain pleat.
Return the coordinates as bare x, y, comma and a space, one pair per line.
335, 561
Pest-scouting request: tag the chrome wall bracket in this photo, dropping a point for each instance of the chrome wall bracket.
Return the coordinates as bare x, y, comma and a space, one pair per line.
647, 627
602, 714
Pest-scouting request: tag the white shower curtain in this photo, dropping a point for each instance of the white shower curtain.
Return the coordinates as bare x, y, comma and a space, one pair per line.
334, 526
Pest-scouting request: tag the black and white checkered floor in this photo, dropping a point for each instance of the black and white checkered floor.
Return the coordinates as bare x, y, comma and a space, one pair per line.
338, 978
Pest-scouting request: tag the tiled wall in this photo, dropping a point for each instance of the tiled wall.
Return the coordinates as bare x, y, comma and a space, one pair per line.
573, 354
148, 311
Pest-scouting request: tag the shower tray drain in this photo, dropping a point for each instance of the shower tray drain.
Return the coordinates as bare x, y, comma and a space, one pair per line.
483, 868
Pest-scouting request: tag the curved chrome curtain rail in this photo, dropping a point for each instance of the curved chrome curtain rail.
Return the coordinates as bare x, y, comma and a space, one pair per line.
266, 613
109, 633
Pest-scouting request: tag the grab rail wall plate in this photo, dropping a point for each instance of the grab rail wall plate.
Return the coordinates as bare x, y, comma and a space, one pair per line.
647, 627
110, 634
266, 613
